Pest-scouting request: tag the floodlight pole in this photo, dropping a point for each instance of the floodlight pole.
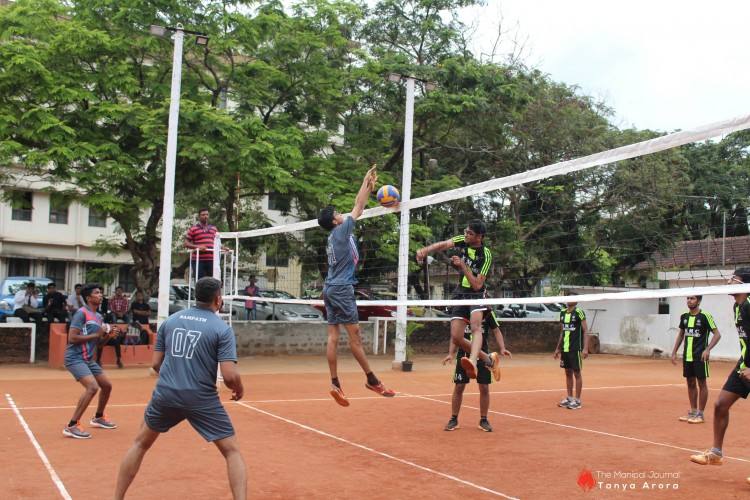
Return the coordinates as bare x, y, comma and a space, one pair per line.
403, 244
165, 257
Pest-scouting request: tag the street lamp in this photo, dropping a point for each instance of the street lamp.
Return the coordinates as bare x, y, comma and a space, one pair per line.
403, 243
165, 257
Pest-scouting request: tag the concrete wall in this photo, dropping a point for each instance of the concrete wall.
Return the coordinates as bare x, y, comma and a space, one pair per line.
288, 337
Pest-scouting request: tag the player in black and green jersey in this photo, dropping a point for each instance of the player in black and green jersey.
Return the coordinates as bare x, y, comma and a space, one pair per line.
738, 383
572, 348
484, 378
696, 326
474, 261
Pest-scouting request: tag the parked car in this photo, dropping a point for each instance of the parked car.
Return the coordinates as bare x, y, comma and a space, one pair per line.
178, 296
280, 311
551, 311
366, 311
13, 284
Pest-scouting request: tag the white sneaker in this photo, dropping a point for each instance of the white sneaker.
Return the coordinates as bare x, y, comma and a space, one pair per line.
565, 402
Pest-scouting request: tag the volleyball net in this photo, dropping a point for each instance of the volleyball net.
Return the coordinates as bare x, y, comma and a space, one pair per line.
608, 226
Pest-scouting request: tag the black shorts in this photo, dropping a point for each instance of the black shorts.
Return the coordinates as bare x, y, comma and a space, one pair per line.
697, 369
571, 360
464, 312
483, 373
736, 385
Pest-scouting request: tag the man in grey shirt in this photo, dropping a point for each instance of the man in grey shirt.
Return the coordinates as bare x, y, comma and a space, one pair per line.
338, 292
189, 345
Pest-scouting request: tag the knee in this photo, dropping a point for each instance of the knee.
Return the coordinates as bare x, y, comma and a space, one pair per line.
105, 386
92, 388
720, 407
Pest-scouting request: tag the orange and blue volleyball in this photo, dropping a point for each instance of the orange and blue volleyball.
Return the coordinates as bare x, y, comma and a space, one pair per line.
388, 195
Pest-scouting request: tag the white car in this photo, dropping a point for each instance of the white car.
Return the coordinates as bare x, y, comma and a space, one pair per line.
550, 311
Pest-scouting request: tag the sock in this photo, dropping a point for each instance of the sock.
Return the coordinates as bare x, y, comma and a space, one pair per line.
98, 415
372, 379
72, 423
716, 451
335, 381
483, 419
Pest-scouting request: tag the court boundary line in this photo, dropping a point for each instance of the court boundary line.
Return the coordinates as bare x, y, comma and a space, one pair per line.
377, 452
43, 456
582, 429
360, 398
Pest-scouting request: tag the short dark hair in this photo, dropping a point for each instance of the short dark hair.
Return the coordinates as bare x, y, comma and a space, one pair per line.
325, 218
88, 289
51, 283
78, 285
699, 297
743, 273
118, 287
30, 283
204, 209
477, 226
206, 289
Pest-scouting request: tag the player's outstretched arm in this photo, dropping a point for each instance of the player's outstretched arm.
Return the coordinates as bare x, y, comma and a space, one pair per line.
232, 379
435, 247
368, 185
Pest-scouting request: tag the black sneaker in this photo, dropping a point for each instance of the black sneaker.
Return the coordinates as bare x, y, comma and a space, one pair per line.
452, 424
485, 425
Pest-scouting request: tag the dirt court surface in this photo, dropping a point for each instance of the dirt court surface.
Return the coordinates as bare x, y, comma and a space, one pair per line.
298, 443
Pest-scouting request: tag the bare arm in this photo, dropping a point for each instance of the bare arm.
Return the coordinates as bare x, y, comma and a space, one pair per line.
585, 331
714, 341
559, 341
435, 247
677, 343
232, 379
451, 352
156, 360
75, 337
476, 282
368, 184
501, 343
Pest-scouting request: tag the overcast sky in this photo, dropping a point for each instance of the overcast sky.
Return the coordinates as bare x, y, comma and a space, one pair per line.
660, 64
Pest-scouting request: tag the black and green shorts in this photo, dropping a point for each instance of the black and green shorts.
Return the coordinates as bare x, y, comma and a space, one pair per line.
697, 369
571, 360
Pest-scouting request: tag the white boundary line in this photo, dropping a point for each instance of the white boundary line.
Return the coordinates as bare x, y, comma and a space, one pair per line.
582, 429
358, 398
55, 478
379, 453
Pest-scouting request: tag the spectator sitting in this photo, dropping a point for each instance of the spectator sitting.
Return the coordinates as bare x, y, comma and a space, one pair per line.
54, 305
26, 304
140, 309
119, 306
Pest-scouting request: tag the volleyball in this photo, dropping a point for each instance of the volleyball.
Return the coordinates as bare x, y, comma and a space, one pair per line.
388, 195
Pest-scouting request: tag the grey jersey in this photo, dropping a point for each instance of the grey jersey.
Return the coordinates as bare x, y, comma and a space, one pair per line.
193, 341
342, 254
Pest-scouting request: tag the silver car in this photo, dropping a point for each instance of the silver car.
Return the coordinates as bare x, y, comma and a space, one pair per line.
283, 312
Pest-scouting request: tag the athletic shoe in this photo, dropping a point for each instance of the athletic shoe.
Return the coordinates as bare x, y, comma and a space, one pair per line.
685, 418
485, 425
338, 395
696, 419
452, 425
380, 389
564, 403
76, 432
574, 405
495, 357
119, 364
102, 423
469, 367
708, 457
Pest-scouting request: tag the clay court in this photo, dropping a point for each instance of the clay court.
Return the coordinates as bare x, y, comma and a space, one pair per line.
298, 443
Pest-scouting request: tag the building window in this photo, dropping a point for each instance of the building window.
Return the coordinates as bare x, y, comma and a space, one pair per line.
22, 205
97, 218
56, 272
126, 278
58, 208
280, 202
19, 267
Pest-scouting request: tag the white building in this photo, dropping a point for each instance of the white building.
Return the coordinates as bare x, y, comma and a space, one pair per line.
44, 234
